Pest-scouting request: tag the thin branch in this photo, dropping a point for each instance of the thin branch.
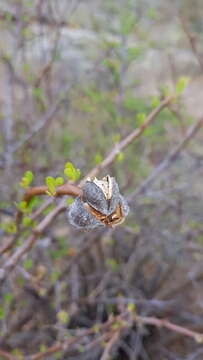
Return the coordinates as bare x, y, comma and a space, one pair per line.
107, 352
66, 344
192, 41
41, 19
67, 189
168, 161
130, 138
163, 323
44, 120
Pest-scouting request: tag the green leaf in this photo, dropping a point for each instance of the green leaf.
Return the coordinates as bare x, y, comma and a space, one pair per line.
152, 13
42, 348
93, 94
155, 101
116, 138
9, 227
29, 176
81, 348
37, 92
2, 313
181, 84
112, 263
26, 179
140, 118
113, 65
63, 317
165, 91
128, 22
134, 52
22, 206
131, 307
98, 158
50, 182
120, 156
134, 104
59, 181
70, 201
54, 276
27, 264
26, 221
8, 297
71, 173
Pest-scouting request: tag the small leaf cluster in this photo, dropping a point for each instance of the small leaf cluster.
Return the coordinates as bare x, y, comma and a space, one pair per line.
181, 84
71, 172
52, 183
26, 179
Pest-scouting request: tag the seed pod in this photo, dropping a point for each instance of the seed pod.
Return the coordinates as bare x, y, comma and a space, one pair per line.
102, 195
81, 218
95, 197
101, 204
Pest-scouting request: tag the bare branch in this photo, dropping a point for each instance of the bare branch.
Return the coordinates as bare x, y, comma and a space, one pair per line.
109, 346
163, 323
192, 42
168, 161
44, 120
130, 138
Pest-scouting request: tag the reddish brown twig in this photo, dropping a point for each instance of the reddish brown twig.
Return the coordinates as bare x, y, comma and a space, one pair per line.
67, 189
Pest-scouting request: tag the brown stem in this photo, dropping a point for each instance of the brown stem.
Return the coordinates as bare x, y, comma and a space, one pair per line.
67, 189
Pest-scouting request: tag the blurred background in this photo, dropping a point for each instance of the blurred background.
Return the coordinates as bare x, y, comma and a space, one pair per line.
76, 77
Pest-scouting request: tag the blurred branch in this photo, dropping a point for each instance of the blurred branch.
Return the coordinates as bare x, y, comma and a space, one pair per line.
163, 323
30, 19
168, 161
108, 348
192, 41
75, 340
44, 120
39, 18
124, 320
8, 116
130, 138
